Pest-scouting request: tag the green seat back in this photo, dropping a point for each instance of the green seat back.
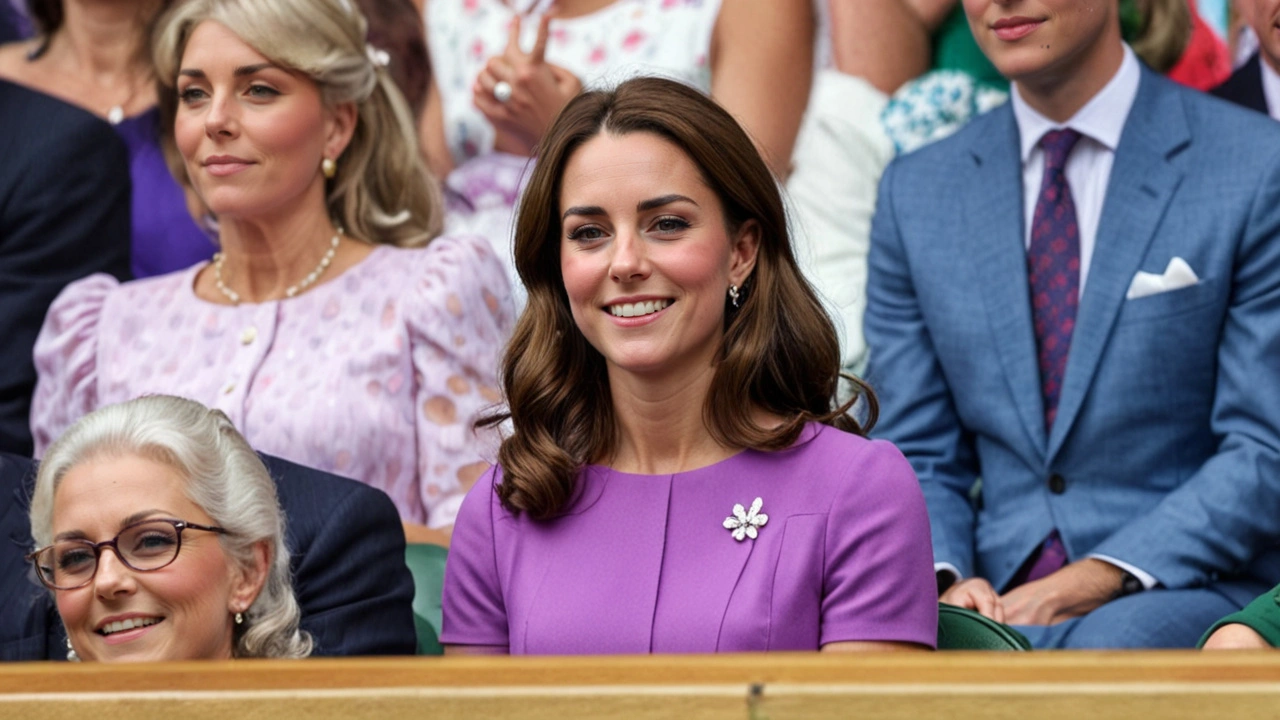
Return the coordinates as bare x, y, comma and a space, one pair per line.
426, 562
961, 629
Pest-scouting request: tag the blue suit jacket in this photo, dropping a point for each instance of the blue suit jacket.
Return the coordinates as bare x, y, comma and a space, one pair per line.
347, 550
1167, 439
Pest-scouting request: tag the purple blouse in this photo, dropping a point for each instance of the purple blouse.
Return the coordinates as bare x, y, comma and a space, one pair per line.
645, 564
376, 374
165, 238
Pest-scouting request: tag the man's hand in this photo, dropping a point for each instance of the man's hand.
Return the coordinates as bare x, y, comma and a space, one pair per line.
1236, 637
539, 90
1070, 592
975, 594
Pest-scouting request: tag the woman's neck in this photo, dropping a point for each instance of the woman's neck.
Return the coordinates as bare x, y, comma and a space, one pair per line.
661, 428
96, 59
104, 39
263, 258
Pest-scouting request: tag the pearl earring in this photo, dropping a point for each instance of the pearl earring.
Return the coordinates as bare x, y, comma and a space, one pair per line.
329, 168
71, 652
239, 618
734, 294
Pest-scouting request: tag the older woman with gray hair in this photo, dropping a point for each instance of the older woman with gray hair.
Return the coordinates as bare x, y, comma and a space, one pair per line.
335, 327
197, 567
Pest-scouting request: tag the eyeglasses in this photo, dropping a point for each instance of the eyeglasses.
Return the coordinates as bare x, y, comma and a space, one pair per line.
144, 547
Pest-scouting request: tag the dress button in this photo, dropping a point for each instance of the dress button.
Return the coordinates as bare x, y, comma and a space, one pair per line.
248, 335
1057, 484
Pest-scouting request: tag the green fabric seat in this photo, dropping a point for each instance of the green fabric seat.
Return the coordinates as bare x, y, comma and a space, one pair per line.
961, 629
426, 563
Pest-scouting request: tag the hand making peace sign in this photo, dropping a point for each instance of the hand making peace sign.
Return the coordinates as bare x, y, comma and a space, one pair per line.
534, 91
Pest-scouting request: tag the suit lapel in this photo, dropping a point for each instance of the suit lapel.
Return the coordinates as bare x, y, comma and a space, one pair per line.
993, 205
1143, 180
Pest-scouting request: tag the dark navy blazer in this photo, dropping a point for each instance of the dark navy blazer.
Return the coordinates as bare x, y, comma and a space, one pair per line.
64, 214
1244, 87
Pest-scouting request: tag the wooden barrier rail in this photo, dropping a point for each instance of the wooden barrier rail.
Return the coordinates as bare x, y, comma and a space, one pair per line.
1024, 686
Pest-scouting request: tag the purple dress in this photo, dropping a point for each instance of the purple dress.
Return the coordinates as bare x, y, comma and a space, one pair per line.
645, 564
165, 238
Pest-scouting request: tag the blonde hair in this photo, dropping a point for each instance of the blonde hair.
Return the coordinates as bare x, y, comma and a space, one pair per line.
382, 192
225, 478
1165, 31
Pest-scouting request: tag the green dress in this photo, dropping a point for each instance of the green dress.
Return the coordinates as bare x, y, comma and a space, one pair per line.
1262, 615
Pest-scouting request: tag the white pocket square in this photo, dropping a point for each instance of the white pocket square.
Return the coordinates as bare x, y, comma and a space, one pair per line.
1178, 275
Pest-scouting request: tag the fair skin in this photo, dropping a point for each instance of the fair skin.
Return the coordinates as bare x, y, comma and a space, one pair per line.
253, 135
761, 66
93, 60
1236, 637
1264, 17
194, 599
641, 227
885, 42
1059, 54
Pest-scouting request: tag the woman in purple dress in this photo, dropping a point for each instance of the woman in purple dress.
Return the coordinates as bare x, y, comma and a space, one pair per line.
678, 476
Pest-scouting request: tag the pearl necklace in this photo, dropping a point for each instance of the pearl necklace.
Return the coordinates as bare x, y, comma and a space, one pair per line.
289, 292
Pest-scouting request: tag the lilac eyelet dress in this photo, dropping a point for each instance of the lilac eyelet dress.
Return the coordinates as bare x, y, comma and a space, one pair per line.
376, 374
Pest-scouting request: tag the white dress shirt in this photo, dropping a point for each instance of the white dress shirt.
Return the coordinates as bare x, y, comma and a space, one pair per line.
1270, 87
1100, 123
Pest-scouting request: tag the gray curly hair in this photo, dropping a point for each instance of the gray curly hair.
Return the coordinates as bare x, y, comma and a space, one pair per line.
225, 477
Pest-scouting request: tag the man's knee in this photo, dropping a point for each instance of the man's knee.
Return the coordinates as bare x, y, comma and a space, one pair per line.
1155, 619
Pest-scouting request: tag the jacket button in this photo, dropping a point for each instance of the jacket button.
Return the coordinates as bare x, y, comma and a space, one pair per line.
1057, 484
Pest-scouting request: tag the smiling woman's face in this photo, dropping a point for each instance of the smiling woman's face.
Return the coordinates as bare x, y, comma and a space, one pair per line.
185, 608
645, 254
251, 133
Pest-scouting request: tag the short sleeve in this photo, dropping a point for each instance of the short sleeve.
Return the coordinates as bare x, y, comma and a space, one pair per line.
879, 583
66, 359
473, 608
459, 322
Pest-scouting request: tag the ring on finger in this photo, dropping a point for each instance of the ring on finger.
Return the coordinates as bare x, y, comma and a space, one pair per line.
502, 91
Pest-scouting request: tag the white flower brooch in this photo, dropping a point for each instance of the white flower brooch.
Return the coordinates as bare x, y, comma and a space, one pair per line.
744, 523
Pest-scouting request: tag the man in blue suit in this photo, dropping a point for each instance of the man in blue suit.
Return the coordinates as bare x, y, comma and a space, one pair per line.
1076, 300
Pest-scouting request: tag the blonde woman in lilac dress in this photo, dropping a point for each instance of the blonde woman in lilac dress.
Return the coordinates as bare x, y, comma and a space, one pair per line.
331, 328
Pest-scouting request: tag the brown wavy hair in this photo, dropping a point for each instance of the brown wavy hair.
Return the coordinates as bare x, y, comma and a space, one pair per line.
779, 353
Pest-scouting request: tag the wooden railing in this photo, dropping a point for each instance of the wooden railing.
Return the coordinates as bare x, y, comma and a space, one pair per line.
977, 686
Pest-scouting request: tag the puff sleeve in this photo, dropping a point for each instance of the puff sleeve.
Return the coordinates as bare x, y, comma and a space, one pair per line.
457, 333
66, 359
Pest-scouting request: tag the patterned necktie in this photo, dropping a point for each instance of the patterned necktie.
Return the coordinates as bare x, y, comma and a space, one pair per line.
1053, 265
